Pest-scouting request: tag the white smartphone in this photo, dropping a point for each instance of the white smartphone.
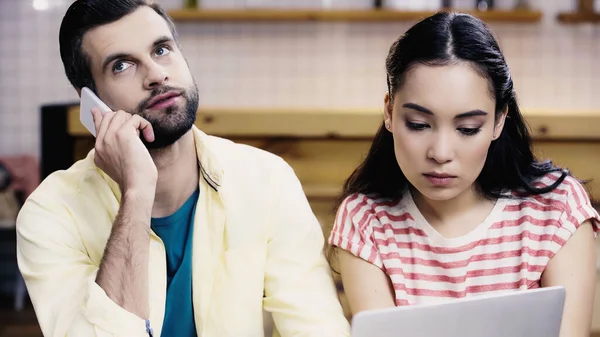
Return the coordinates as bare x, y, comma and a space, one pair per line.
89, 100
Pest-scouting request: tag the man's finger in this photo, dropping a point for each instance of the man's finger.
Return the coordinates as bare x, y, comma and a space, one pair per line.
97, 117
117, 122
143, 126
101, 131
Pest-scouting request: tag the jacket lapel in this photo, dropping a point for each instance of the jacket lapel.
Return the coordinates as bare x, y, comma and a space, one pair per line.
209, 224
209, 227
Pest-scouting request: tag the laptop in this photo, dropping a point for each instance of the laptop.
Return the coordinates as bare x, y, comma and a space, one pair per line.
523, 313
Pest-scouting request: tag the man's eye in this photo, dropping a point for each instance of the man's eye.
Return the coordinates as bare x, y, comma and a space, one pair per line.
161, 51
120, 67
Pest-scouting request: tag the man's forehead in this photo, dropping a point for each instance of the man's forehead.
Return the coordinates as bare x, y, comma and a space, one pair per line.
133, 33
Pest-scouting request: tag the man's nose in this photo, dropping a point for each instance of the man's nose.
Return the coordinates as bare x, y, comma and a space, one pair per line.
157, 75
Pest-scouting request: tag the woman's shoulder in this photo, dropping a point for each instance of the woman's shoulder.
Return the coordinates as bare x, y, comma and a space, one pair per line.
354, 199
568, 193
363, 208
363, 201
567, 205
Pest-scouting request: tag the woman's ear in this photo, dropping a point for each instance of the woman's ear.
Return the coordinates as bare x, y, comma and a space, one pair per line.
387, 113
500, 124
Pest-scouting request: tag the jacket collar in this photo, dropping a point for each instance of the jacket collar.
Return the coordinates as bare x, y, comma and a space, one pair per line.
210, 168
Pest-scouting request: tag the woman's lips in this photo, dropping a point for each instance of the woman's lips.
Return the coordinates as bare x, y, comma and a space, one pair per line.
439, 179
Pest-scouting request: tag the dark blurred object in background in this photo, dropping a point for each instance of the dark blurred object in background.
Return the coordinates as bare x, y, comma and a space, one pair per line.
523, 5
19, 176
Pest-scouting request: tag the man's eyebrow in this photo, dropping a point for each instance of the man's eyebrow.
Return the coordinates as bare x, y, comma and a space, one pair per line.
113, 57
110, 58
162, 40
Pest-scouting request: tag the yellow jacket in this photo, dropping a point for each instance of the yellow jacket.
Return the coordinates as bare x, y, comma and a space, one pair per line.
257, 245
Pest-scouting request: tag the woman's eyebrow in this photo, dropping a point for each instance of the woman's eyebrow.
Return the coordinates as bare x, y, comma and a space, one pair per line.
471, 113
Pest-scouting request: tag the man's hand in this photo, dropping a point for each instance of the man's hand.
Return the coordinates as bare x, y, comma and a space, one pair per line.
120, 151
123, 272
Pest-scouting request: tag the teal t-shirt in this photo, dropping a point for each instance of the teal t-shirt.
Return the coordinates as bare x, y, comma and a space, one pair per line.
176, 231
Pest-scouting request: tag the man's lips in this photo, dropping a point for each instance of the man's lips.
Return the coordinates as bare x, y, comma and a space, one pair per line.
163, 100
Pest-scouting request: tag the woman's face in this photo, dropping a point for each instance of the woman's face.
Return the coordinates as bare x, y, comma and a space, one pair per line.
442, 121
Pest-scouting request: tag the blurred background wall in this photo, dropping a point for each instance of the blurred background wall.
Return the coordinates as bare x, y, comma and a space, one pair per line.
301, 64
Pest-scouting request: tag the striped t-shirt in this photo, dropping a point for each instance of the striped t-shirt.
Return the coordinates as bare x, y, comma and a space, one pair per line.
509, 250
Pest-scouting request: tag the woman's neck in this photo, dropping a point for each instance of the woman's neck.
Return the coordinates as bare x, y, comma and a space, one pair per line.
456, 216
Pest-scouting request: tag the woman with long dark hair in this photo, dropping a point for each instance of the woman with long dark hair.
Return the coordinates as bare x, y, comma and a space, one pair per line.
450, 200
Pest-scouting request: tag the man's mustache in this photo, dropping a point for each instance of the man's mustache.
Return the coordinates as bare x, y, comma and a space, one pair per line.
158, 91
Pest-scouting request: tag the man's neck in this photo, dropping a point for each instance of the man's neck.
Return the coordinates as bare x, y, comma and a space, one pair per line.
178, 174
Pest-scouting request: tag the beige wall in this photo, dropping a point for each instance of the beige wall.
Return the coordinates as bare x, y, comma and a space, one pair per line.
325, 65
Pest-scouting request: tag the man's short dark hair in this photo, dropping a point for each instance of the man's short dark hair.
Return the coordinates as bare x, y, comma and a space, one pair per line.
84, 15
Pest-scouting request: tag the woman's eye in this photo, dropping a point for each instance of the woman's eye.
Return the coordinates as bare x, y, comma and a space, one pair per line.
469, 131
416, 126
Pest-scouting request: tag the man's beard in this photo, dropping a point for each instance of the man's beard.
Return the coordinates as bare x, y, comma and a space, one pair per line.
171, 123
